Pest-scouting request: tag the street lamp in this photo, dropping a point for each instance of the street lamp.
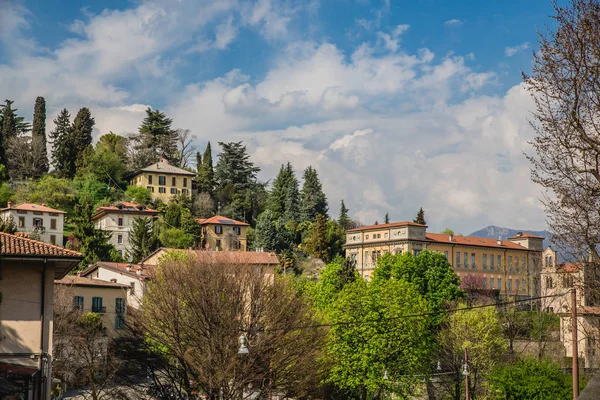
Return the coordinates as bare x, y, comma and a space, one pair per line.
243, 340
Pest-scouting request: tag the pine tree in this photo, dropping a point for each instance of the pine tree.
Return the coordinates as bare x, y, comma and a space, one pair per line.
62, 149
8, 130
312, 200
283, 197
93, 243
344, 220
420, 219
142, 239
81, 136
234, 167
206, 173
155, 139
38, 134
386, 218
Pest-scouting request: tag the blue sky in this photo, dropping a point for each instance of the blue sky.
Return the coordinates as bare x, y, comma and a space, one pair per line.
399, 104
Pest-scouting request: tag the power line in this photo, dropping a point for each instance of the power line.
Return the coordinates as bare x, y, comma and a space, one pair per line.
426, 314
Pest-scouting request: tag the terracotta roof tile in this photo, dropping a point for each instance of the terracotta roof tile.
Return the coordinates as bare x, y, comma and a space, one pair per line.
124, 207
33, 207
83, 281
568, 268
381, 226
473, 241
19, 246
219, 220
125, 268
526, 235
162, 166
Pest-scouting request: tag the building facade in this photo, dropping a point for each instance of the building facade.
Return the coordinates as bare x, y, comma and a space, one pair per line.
164, 180
28, 271
133, 276
511, 266
222, 233
37, 221
557, 282
118, 220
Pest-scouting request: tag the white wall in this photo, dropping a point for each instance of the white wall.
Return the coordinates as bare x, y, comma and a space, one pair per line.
28, 217
133, 298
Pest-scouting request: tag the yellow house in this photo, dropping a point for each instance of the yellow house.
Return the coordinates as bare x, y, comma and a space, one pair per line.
164, 180
85, 294
222, 233
27, 272
511, 265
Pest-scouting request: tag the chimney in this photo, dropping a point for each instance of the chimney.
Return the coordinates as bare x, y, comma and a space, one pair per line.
44, 204
519, 233
129, 268
139, 271
499, 241
79, 273
114, 280
451, 237
9, 204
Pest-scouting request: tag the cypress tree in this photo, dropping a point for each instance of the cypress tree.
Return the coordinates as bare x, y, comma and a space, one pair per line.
386, 218
198, 163
283, 197
62, 148
343, 219
420, 219
206, 173
38, 134
313, 200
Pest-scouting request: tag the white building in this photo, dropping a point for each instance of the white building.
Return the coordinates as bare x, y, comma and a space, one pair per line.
118, 220
36, 219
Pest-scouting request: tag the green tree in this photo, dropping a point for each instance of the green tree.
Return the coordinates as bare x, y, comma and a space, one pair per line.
530, 378
429, 272
62, 149
312, 198
279, 191
175, 238
378, 351
8, 225
271, 233
478, 331
92, 243
81, 135
142, 239
420, 218
447, 231
12, 126
38, 134
55, 192
138, 194
317, 244
155, 139
332, 279
343, 219
206, 173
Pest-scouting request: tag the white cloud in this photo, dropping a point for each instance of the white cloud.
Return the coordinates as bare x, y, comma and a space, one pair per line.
453, 22
511, 51
345, 141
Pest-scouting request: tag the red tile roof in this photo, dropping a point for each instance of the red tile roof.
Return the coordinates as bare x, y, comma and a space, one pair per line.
568, 268
84, 281
12, 245
124, 268
473, 241
526, 235
33, 207
124, 207
225, 256
381, 226
219, 220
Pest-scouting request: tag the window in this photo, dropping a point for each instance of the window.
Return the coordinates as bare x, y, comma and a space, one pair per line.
97, 305
53, 223
173, 181
120, 221
457, 259
162, 180
21, 222
517, 264
473, 260
38, 222
499, 281
54, 214
466, 260
52, 239
517, 284
21, 212
162, 190
218, 243
548, 282
567, 281
367, 258
367, 237
446, 255
119, 321
184, 182
491, 261
78, 303
386, 236
218, 229
499, 264
120, 305
185, 191
173, 190
510, 265
119, 239
150, 188
484, 261
149, 179
510, 285
120, 253
237, 230
491, 283
38, 213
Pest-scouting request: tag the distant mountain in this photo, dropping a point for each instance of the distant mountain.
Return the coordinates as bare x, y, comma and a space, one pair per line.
495, 232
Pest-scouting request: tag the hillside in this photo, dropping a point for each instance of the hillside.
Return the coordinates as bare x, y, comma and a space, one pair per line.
494, 232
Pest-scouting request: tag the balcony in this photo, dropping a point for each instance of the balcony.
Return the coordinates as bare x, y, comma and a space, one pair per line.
99, 310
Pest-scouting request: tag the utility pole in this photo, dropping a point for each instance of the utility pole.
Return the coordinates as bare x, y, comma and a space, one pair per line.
575, 355
466, 373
